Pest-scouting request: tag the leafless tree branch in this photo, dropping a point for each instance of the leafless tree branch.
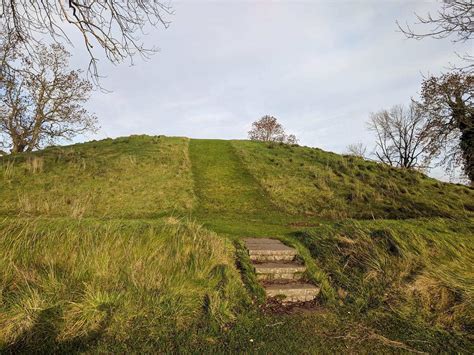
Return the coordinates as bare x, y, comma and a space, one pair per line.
111, 25
401, 139
455, 20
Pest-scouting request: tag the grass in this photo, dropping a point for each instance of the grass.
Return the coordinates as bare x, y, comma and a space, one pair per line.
222, 183
309, 181
130, 177
413, 270
110, 279
135, 244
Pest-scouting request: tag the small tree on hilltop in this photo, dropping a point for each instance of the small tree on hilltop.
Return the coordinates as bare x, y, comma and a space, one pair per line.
41, 101
268, 129
357, 150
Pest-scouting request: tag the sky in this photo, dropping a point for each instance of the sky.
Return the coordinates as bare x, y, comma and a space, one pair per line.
320, 67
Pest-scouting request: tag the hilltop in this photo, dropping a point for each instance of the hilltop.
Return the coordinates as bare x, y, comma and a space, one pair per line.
134, 243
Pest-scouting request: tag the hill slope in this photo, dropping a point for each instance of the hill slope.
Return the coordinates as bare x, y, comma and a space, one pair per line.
102, 248
142, 176
125, 177
310, 181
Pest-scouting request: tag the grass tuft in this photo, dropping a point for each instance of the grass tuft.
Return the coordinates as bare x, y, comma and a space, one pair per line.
112, 277
412, 269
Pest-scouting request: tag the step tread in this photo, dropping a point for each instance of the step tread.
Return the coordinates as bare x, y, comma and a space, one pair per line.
292, 292
261, 240
291, 286
279, 267
265, 245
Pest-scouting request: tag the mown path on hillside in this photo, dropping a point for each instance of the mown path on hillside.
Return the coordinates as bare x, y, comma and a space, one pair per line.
222, 182
230, 200
229, 197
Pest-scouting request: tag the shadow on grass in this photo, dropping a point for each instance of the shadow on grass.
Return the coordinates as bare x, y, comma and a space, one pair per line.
42, 337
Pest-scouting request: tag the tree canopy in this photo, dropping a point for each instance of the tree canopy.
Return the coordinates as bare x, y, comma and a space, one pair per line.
268, 129
42, 100
448, 101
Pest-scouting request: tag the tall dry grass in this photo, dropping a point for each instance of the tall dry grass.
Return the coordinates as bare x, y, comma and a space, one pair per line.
419, 270
8, 169
67, 280
34, 164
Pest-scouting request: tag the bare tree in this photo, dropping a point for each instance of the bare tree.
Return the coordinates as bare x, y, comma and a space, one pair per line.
448, 102
42, 102
291, 139
6, 56
400, 136
455, 19
112, 25
268, 129
357, 149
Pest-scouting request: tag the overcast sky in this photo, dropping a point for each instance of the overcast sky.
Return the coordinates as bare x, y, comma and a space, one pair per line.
320, 67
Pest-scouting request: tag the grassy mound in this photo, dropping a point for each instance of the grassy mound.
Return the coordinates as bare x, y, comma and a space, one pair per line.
303, 180
142, 176
135, 243
138, 176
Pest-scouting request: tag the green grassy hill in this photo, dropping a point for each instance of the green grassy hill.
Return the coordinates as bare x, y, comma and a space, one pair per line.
134, 244
309, 181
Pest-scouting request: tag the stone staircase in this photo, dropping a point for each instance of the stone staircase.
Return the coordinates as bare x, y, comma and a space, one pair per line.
279, 271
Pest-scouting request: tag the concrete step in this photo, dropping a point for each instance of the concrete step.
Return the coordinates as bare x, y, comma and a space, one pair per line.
292, 291
265, 249
279, 270
276, 268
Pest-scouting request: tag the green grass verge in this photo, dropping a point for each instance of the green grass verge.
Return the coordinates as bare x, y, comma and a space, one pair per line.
249, 278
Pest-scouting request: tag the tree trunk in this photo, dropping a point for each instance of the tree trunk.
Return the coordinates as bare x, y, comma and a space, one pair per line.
18, 148
467, 147
465, 123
